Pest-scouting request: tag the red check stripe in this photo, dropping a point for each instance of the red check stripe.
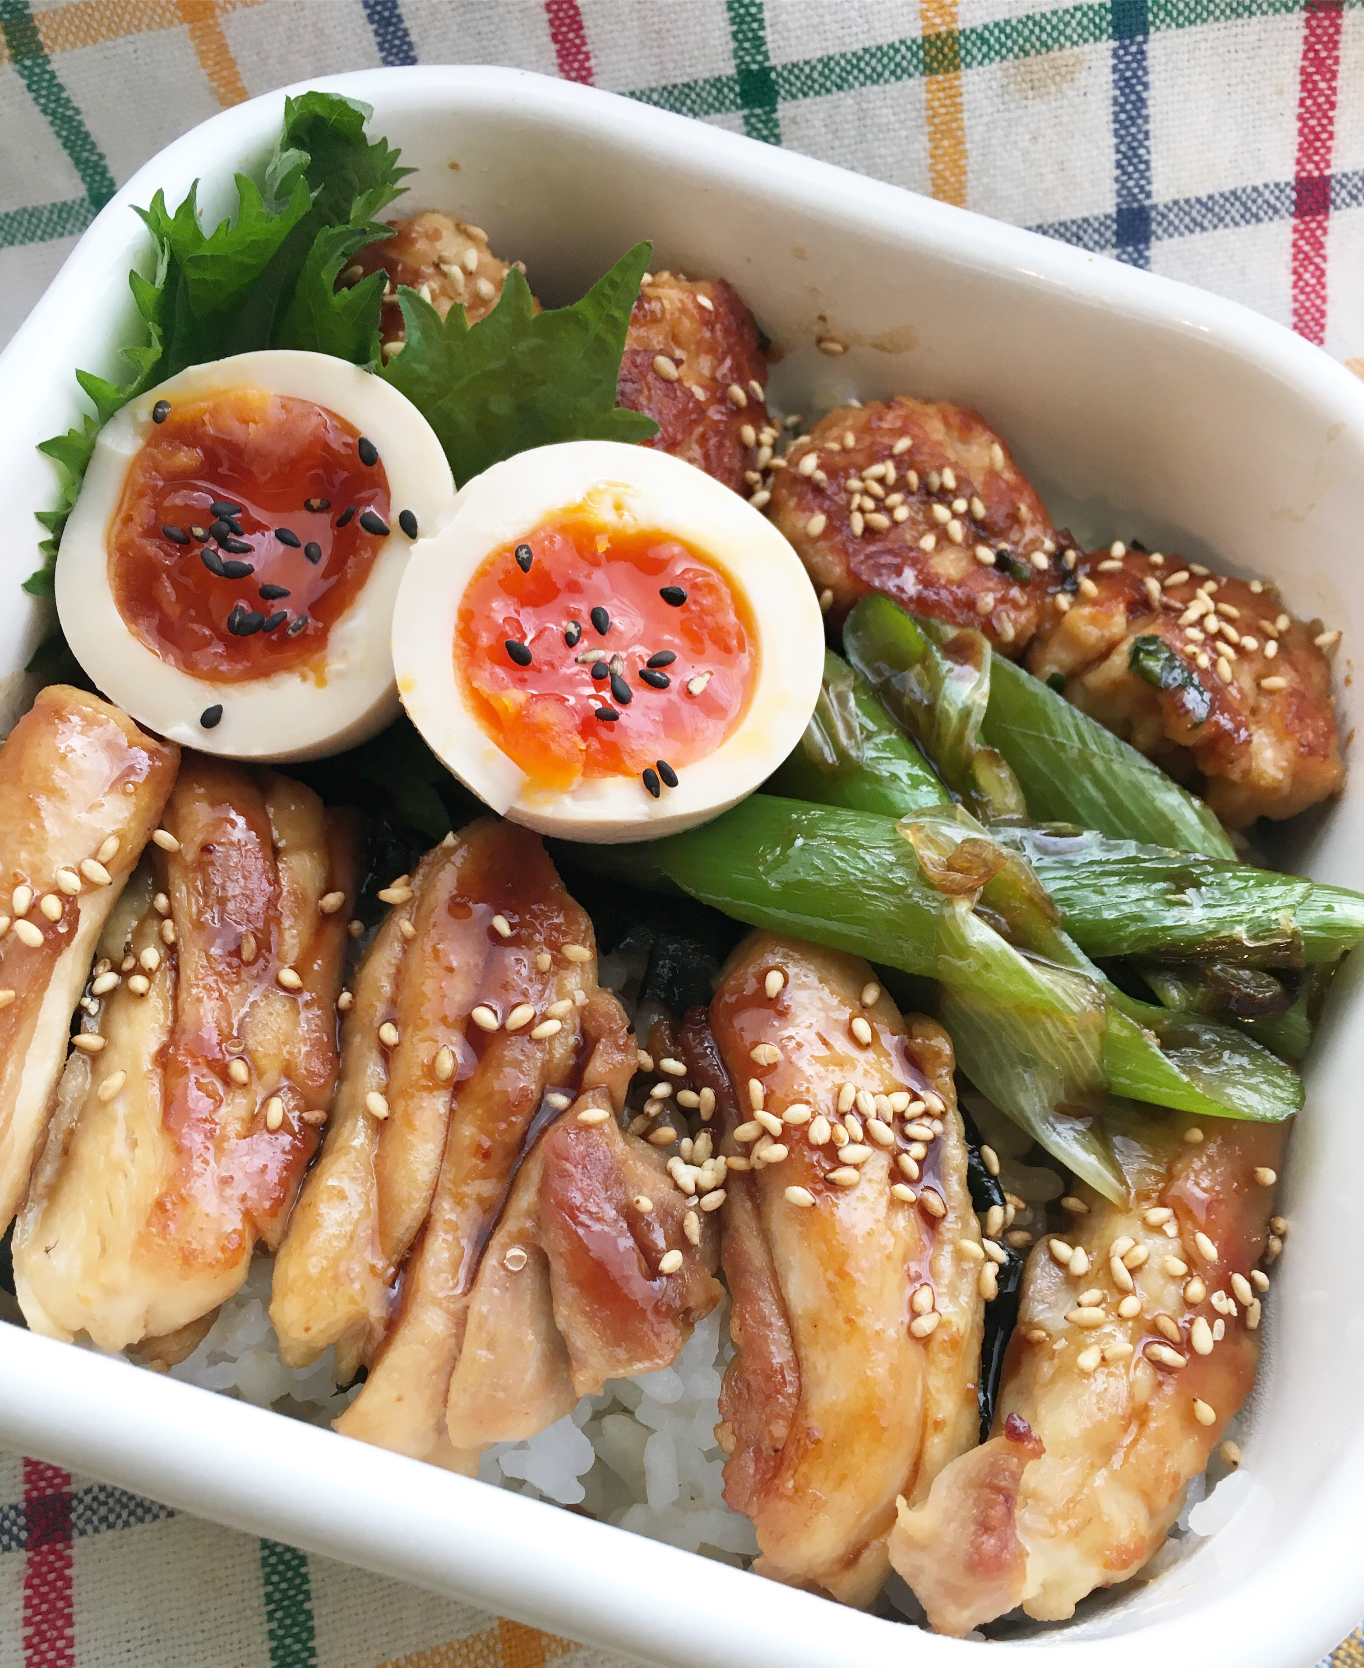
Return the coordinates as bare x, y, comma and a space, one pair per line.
570, 40
1318, 72
49, 1629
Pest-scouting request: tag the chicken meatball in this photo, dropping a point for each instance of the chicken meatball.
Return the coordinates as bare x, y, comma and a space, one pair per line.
925, 504
443, 259
694, 363
1207, 676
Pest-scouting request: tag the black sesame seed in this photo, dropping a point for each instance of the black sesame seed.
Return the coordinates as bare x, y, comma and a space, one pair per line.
234, 526
272, 593
620, 690
600, 670
250, 623
667, 772
517, 653
313, 552
651, 782
219, 529
665, 657
317, 505
673, 595
345, 515
608, 715
161, 411
235, 618
177, 535
1056, 681
287, 535
573, 634
655, 680
236, 547
297, 626
408, 522
212, 561
225, 507
367, 452
524, 557
373, 523
200, 533
601, 621
210, 718
237, 570
275, 620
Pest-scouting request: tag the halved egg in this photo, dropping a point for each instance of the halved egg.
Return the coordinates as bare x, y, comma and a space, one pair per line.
229, 570
604, 643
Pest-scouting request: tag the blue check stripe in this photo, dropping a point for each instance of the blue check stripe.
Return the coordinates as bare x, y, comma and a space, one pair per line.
1132, 134
1248, 205
94, 1509
391, 33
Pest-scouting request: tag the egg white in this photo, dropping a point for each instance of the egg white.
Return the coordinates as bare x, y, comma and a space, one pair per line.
627, 486
301, 714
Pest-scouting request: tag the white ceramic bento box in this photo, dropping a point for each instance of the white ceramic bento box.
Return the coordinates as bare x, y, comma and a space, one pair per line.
1137, 406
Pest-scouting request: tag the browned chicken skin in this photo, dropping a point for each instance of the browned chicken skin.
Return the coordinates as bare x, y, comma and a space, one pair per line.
447, 261
81, 789
1252, 726
857, 1317
476, 1230
920, 502
182, 1142
694, 363
1137, 1341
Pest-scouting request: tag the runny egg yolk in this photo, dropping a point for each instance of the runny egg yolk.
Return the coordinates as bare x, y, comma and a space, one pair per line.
247, 526
588, 650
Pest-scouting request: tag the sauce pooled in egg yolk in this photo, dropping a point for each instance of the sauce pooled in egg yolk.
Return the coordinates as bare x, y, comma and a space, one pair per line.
589, 651
247, 526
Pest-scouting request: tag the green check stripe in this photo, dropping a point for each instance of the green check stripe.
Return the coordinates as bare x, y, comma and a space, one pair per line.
288, 1592
55, 103
754, 83
979, 46
42, 222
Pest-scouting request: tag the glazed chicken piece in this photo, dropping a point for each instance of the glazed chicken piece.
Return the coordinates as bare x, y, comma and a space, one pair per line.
473, 1232
1137, 1341
81, 790
183, 1140
694, 362
857, 1311
925, 504
445, 260
1233, 696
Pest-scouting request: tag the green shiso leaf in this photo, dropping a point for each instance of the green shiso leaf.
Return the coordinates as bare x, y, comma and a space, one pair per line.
519, 378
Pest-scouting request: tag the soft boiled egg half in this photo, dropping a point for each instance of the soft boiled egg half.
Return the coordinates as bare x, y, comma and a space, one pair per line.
228, 573
604, 643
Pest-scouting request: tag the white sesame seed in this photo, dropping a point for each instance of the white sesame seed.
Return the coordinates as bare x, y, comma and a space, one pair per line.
576, 952
801, 1196
660, 1091
274, 1113
1254, 1315
1087, 1317
844, 1176
861, 1030
855, 522
765, 1054
520, 1016
712, 1200
287, 979
1061, 1251
1204, 1413
1079, 1262
1201, 1338
766, 1120
1206, 1248
923, 1325
1326, 639
50, 905
933, 1203
69, 881
28, 934
484, 1017
670, 1262
546, 1028
591, 1115
819, 1132
1089, 1359
1130, 1307
755, 1094
1195, 1291
1163, 1355
697, 684
139, 984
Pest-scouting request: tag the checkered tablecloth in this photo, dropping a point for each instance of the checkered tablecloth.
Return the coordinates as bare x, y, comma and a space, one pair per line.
1217, 141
